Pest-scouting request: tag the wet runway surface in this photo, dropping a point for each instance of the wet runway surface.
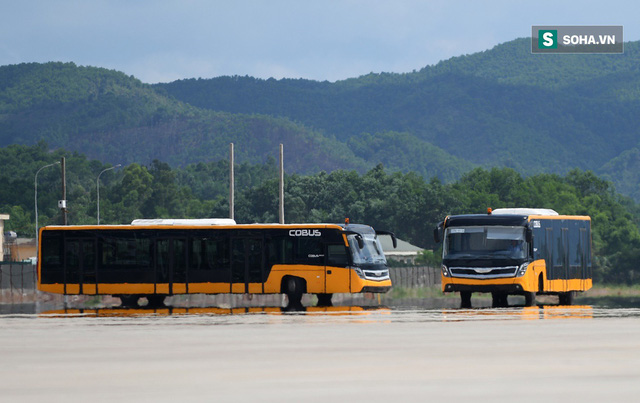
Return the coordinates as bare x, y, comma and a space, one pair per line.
380, 354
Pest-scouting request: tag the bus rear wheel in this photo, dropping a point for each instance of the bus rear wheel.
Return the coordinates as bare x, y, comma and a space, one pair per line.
566, 298
129, 301
155, 300
324, 299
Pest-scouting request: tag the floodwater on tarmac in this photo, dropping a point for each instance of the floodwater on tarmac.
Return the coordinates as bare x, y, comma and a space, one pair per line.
321, 354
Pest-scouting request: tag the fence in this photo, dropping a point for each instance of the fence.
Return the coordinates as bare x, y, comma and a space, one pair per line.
414, 276
17, 277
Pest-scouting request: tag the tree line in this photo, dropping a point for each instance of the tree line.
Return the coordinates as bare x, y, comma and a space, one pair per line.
405, 203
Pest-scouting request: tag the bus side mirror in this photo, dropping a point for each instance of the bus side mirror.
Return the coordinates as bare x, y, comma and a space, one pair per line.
394, 240
437, 233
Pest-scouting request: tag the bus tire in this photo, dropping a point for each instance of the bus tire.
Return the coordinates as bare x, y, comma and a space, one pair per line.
529, 298
293, 287
566, 298
129, 301
324, 299
155, 300
499, 300
465, 299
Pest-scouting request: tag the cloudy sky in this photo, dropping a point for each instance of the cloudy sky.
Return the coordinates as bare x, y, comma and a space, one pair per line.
162, 41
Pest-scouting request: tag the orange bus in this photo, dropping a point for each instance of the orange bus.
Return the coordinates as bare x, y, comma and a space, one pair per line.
159, 258
516, 251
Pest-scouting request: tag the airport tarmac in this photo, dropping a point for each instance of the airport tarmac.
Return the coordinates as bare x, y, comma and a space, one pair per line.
573, 354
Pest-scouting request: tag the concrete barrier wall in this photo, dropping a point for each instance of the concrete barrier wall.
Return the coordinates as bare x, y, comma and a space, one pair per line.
22, 276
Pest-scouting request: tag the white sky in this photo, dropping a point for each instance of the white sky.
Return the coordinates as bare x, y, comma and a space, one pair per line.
162, 41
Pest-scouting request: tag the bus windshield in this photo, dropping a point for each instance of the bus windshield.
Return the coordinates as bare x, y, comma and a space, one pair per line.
371, 251
485, 242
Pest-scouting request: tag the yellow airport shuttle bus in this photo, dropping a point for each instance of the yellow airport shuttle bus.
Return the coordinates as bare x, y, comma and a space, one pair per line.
515, 252
159, 258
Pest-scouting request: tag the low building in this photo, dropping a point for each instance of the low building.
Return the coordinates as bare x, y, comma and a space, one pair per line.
404, 253
23, 249
3, 218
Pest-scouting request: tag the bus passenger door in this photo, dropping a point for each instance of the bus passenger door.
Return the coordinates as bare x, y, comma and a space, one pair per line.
171, 263
583, 258
80, 263
337, 275
565, 258
246, 264
551, 273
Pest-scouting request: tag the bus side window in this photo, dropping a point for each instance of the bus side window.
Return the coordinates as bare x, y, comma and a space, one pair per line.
309, 251
195, 253
72, 261
279, 251
51, 251
337, 255
217, 254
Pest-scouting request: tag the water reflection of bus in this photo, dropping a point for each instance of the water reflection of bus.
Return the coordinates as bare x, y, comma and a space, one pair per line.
168, 311
516, 251
158, 258
521, 313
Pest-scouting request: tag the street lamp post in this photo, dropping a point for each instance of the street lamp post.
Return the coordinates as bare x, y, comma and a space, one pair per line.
35, 181
98, 188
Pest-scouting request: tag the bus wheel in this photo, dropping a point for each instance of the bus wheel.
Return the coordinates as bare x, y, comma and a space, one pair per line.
324, 299
155, 300
465, 299
566, 298
529, 298
294, 288
129, 301
499, 300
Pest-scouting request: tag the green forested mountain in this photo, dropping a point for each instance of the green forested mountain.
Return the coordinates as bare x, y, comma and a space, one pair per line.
502, 107
115, 118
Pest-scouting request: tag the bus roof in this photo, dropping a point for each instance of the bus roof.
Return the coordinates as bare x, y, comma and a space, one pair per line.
525, 211
184, 221
510, 220
189, 226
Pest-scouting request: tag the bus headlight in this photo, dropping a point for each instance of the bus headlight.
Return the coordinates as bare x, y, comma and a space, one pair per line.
522, 269
359, 272
445, 271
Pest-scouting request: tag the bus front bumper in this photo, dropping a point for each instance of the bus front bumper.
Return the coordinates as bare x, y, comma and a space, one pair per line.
503, 288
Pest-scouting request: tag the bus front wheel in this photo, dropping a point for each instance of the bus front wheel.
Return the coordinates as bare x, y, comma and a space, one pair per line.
293, 287
529, 298
465, 299
499, 300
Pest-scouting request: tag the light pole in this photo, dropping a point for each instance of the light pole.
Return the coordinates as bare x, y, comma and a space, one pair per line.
98, 188
35, 181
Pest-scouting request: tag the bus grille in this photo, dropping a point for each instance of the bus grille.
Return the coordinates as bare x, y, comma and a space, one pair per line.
483, 272
377, 275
